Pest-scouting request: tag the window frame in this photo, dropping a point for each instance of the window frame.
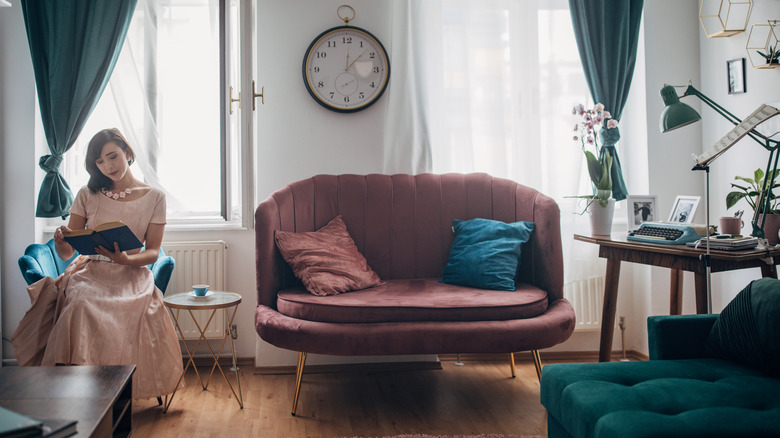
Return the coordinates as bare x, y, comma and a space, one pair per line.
232, 215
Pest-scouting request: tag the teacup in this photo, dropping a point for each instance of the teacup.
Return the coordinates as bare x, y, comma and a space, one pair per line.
731, 225
200, 289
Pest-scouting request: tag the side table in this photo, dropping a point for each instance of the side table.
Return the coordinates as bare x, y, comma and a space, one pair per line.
214, 300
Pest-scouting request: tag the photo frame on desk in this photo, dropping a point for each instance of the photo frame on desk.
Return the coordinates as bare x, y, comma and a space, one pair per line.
736, 75
641, 208
684, 208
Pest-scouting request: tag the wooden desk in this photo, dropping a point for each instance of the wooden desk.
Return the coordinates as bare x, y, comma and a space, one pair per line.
98, 397
678, 258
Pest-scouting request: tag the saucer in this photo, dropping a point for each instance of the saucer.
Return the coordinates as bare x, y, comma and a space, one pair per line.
208, 294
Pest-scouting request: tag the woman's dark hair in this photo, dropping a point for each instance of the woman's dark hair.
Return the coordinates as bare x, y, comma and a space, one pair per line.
98, 181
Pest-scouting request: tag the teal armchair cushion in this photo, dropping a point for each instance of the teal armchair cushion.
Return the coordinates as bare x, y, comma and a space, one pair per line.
41, 260
704, 397
685, 390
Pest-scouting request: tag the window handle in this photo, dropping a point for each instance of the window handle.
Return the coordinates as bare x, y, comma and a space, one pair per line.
255, 95
234, 100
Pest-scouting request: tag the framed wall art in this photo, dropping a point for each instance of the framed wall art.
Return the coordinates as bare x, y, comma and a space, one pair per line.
736, 75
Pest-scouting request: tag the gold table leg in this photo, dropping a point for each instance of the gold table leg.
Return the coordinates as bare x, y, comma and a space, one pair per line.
202, 338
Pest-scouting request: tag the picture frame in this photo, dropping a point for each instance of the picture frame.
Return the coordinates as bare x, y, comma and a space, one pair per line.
684, 208
735, 69
640, 209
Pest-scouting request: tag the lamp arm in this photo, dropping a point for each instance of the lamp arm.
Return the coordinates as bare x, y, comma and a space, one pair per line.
764, 141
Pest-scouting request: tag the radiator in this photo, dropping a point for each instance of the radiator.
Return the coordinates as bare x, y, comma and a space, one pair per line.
198, 263
587, 298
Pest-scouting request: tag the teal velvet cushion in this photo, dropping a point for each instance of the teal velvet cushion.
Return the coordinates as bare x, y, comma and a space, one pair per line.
485, 253
748, 329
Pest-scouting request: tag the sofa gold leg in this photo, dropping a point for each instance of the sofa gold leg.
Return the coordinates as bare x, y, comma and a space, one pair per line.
512, 364
537, 364
298, 379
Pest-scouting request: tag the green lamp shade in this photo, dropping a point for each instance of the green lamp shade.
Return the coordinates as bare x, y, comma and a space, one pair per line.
676, 114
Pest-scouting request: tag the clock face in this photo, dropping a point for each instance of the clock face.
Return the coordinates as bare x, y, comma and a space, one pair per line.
346, 69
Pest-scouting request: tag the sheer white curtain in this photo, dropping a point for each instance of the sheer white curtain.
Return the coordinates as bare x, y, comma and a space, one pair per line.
168, 114
488, 86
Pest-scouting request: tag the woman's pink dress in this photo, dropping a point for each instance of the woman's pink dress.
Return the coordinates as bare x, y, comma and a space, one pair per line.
102, 313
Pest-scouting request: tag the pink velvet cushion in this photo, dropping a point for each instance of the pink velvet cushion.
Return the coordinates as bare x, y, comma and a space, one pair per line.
422, 299
327, 260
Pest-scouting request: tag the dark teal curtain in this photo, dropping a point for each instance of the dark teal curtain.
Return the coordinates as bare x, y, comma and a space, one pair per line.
607, 33
74, 46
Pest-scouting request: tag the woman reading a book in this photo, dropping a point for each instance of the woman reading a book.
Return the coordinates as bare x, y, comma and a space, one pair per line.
105, 308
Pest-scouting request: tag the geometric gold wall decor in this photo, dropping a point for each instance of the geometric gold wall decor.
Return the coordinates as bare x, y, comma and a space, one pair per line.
762, 45
724, 18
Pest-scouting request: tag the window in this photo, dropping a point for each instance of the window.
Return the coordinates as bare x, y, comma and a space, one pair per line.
502, 92
168, 95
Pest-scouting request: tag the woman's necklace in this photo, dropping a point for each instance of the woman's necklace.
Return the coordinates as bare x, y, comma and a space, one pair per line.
122, 194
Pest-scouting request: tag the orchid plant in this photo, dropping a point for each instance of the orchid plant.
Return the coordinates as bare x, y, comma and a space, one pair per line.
599, 160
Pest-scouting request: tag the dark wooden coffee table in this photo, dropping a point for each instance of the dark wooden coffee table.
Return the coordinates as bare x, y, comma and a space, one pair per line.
100, 398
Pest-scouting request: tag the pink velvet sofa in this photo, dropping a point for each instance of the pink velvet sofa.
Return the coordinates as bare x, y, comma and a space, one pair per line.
402, 224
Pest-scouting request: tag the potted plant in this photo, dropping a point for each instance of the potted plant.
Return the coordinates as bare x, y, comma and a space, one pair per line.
751, 192
772, 56
600, 205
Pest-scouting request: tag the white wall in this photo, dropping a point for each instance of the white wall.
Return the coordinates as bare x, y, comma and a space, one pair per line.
298, 138
763, 86
672, 51
17, 106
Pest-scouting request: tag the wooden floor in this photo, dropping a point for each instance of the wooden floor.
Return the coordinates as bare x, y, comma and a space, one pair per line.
478, 398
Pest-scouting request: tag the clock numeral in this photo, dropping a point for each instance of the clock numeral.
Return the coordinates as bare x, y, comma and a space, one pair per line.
376, 69
361, 44
332, 94
348, 40
320, 84
372, 85
316, 69
372, 55
362, 95
346, 99
331, 44
322, 54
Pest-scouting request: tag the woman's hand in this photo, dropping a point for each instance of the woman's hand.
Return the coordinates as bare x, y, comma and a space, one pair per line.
63, 248
59, 235
116, 255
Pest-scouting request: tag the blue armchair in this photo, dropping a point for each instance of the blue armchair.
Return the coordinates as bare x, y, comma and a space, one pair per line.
41, 260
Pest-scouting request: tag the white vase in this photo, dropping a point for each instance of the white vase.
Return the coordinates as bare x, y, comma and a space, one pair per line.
601, 217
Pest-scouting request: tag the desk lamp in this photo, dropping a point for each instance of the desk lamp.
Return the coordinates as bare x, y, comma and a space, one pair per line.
677, 114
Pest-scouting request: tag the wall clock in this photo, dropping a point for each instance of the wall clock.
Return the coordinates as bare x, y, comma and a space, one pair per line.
346, 68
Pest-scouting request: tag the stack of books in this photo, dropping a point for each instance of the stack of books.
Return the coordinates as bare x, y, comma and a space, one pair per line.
727, 242
15, 425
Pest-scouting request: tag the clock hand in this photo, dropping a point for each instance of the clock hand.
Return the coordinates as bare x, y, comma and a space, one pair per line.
347, 64
347, 83
361, 54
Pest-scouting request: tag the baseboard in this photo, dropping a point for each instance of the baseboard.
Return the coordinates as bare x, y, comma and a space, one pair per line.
224, 361
354, 367
547, 356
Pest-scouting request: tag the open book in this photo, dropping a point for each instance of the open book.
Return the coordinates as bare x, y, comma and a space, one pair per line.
85, 241
760, 115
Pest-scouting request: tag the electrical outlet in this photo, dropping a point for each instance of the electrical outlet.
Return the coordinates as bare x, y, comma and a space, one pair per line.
234, 331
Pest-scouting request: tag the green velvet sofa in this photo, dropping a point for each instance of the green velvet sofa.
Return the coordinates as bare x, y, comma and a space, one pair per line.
692, 386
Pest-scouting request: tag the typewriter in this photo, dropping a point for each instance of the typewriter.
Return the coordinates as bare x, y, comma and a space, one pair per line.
667, 233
